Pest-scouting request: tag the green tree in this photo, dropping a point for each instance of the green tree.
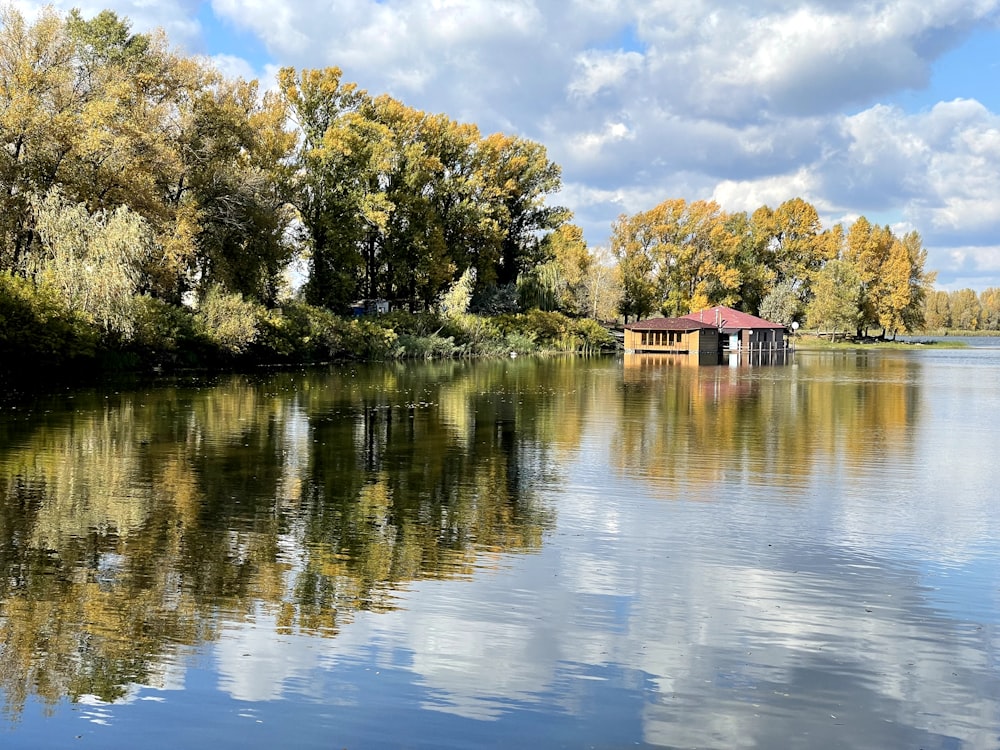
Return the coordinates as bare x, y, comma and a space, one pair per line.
836, 292
782, 304
633, 241
332, 179
234, 151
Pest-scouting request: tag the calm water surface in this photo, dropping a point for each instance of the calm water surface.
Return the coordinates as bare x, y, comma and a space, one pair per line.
531, 553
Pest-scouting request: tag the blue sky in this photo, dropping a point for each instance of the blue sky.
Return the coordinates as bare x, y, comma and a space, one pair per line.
884, 108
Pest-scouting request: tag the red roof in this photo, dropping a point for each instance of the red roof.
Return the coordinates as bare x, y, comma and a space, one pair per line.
669, 324
727, 318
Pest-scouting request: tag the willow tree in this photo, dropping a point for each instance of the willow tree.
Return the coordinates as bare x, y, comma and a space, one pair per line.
96, 261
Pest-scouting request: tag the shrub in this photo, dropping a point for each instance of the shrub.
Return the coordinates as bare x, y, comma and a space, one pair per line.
433, 346
229, 321
164, 333
37, 330
592, 335
367, 339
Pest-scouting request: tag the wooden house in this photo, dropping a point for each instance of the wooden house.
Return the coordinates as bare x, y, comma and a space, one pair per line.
671, 336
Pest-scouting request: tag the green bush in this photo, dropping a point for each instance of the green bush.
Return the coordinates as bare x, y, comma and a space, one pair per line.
592, 335
164, 333
433, 346
366, 339
228, 321
37, 331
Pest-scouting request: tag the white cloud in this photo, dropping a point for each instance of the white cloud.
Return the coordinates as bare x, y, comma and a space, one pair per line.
601, 70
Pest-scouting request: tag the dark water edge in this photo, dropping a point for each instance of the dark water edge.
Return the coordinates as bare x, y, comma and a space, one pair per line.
544, 553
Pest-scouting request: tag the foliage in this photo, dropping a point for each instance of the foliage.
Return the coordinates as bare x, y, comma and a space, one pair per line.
37, 330
94, 260
782, 304
680, 256
229, 321
496, 300
837, 291
164, 334
458, 297
394, 202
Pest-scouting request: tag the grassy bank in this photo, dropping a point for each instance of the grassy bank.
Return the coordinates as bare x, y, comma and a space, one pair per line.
806, 341
40, 336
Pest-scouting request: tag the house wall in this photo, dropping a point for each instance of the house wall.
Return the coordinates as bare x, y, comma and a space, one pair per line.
765, 339
657, 341
700, 341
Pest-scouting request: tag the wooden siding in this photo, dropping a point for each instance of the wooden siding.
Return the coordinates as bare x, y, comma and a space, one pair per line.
672, 342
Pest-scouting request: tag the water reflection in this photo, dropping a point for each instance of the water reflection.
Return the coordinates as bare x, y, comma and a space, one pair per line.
718, 557
131, 520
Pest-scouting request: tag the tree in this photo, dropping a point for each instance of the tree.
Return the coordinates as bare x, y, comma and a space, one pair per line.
94, 260
989, 302
782, 304
332, 182
602, 291
37, 113
234, 150
836, 291
937, 312
97, 111
516, 178
632, 243
867, 250
920, 282
569, 252
966, 312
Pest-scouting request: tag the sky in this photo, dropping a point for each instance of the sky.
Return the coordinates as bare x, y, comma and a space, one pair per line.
888, 109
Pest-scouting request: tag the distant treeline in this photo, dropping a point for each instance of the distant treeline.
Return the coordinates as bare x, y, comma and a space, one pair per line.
963, 310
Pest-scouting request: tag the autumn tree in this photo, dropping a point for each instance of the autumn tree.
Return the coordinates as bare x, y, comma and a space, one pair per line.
633, 243
966, 312
989, 302
516, 179
836, 292
602, 287
892, 276
784, 246
937, 311
867, 250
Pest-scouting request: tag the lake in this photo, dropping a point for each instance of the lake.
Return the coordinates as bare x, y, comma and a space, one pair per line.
553, 553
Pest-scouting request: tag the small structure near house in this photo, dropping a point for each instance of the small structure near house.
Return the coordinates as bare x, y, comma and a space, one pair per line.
369, 307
